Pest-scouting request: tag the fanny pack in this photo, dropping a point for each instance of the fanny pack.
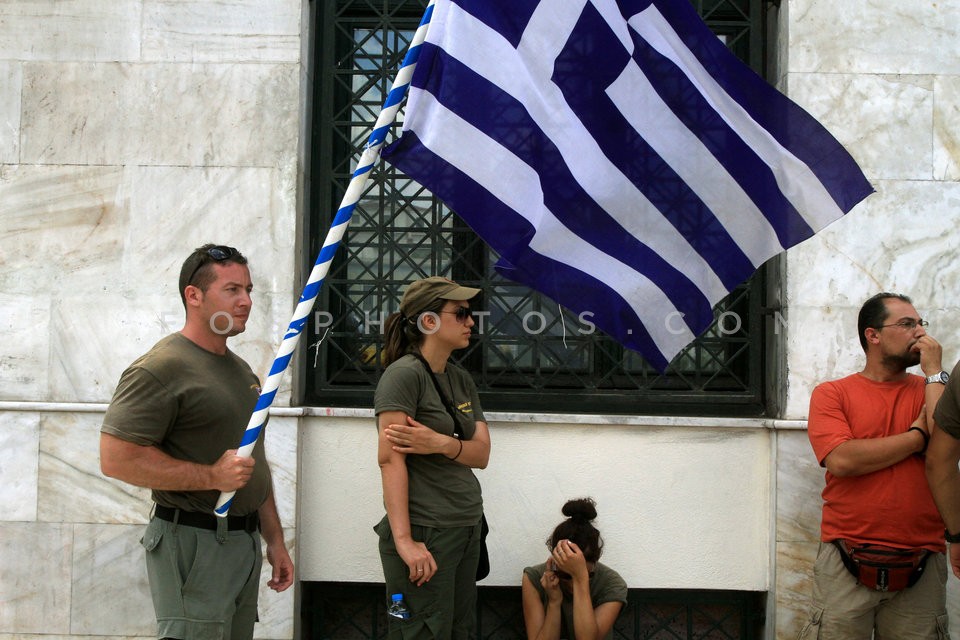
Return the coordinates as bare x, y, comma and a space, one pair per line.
883, 568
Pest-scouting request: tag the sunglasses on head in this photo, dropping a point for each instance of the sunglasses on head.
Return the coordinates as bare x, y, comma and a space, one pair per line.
462, 313
218, 253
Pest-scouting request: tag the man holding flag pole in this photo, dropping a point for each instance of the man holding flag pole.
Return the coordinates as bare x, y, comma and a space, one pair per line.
172, 426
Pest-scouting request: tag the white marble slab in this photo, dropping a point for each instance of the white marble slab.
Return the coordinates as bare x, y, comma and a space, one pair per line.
899, 239
864, 36
71, 486
800, 481
35, 588
110, 590
277, 610
63, 227
794, 586
19, 446
821, 345
24, 324
46, 636
160, 114
11, 78
946, 128
111, 593
75, 30
280, 440
885, 122
241, 30
92, 257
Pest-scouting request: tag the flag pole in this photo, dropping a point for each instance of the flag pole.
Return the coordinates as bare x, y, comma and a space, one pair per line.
386, 119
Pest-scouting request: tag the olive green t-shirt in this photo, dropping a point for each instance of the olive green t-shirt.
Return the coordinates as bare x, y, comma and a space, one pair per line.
193, 405
606, 585
441, 492
947, 412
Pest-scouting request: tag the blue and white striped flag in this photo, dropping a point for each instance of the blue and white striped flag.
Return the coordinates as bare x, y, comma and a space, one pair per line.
617, 156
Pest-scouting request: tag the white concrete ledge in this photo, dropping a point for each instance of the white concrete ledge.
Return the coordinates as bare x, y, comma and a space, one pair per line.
501, 417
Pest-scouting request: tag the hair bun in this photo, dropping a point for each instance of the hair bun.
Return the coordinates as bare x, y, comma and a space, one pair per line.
582, 509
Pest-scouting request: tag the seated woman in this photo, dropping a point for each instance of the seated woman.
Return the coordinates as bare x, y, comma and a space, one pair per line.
572, 595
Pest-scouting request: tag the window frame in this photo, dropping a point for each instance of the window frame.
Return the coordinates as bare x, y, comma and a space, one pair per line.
679, 392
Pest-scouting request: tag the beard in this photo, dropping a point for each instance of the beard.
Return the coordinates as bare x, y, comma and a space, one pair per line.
901, 361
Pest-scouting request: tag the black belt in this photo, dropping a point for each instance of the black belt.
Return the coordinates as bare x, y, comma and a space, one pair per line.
248, 523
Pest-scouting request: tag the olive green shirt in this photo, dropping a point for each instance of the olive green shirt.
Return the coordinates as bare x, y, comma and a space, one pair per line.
606, 585
441, 492
947, 412
193, 405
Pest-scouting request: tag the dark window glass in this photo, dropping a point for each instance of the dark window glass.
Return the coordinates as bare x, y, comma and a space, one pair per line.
357, 611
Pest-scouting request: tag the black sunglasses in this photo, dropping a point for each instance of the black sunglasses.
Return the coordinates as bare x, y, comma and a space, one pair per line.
218, 253
462, 313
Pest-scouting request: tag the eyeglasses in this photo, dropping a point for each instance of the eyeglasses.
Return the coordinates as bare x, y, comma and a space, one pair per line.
907, 323
462, 314
218, 253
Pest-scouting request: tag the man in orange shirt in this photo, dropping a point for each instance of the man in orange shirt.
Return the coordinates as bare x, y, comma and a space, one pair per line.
881, 565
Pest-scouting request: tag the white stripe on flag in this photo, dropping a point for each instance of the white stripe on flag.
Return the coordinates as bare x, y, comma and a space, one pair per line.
657, 124
797, 182
492, 57
516, 184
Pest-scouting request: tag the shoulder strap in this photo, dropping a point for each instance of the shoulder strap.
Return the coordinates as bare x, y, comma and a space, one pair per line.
457, 432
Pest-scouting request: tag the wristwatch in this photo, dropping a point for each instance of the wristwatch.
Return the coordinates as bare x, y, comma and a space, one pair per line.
941, 377
951, 537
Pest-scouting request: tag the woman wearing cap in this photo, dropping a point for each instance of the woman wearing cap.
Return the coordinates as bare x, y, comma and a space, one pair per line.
572, 595
432, 434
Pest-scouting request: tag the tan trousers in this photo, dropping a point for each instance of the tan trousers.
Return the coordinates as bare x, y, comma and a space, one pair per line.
845, 610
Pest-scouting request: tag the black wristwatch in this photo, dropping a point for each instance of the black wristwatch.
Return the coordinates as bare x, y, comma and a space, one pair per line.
951, 537
941, 377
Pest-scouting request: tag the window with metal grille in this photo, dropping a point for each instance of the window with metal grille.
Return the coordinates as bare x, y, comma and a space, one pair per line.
357, 611
529, 354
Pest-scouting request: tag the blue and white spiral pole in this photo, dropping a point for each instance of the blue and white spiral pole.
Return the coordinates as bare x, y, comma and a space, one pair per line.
388, 114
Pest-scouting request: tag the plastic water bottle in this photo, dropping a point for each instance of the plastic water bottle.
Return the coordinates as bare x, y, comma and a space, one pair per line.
397, 607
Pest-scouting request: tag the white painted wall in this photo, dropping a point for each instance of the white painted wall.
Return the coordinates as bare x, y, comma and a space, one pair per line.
680, 507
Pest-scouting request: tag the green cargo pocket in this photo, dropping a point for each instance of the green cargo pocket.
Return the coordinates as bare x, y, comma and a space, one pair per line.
811, 630
423, 625
943, 627
382, 529
151, 536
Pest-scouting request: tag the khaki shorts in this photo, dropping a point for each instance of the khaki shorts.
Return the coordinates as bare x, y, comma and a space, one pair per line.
446, 606
845, 610
202, 589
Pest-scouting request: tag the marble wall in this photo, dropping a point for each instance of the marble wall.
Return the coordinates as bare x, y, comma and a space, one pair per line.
131, 131
882, 77
134, 130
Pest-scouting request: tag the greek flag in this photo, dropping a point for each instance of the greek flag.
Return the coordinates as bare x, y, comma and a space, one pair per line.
617, 157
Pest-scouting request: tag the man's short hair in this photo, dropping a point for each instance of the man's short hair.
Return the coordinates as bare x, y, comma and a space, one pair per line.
196, 269
874, 312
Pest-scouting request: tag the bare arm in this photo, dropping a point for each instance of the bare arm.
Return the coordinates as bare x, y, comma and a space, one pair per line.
393, 473
148, 466
584, 620
944, 478
866, 455
931, 363
542, 623
277, 554
589, 622
412, 437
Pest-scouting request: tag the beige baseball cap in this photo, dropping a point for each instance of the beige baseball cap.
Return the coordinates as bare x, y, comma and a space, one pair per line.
420, 294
